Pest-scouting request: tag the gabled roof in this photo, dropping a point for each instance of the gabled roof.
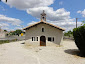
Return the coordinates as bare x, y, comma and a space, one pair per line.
43, 22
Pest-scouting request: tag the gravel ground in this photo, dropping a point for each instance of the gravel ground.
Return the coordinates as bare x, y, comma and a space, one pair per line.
17, 53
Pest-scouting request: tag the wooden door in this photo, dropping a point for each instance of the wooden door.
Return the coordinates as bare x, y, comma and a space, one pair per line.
42, 41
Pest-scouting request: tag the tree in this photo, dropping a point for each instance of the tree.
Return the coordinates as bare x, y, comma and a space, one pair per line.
17, 32
5, 30
69, 33
83, 23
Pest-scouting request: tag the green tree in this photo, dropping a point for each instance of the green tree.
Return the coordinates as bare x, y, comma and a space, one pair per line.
83, 23
5, 30
69, 33
17, 32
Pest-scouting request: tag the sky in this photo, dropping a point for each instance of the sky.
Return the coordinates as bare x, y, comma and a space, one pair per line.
17, 14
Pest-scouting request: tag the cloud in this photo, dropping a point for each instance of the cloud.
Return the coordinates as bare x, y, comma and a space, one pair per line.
5, 28
82, 12
33, 22
13, 21
26, 4
79, 11
9, 23
18, 28
3, 24
61, 3
58, 15
67, 25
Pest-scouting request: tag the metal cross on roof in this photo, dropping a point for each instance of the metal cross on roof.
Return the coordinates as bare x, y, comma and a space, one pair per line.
43, 11
43, 16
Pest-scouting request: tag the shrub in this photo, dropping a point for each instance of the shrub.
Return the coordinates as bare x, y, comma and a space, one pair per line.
7, 41
79, 37
4, 41
69, 33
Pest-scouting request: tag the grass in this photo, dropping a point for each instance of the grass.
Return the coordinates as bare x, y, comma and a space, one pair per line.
4, 41
7, 41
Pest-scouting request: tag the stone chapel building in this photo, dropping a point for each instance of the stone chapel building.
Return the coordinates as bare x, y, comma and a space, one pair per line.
42, 33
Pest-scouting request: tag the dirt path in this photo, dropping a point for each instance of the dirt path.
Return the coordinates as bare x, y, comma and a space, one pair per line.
17, 53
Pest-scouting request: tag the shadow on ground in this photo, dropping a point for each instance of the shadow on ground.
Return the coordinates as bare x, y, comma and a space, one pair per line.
23, 43
74, 52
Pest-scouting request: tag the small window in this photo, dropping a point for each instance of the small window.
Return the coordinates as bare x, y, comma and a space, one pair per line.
49, 38
32, 38
53, 38
42, 29
37, 38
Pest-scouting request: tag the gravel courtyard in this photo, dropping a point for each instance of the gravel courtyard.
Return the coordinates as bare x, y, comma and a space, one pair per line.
17, 53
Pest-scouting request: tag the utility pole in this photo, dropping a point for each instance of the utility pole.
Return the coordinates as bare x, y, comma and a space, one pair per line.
76, 22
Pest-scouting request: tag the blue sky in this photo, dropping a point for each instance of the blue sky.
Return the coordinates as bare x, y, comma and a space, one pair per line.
30, 15
70, 5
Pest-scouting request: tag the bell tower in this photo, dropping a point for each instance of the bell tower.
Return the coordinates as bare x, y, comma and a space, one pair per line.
43, 16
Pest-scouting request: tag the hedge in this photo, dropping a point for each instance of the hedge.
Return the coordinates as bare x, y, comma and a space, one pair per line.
7, 41
79, 37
